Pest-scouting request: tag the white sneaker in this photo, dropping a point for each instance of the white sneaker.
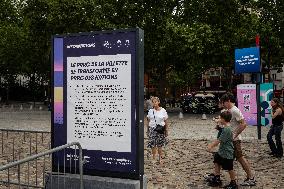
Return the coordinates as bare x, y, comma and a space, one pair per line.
249, 182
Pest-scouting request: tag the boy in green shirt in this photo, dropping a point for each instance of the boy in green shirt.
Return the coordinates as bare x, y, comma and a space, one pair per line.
225, 156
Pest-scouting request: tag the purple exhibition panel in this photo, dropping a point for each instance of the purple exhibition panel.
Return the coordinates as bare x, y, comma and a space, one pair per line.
246, 94
96, 94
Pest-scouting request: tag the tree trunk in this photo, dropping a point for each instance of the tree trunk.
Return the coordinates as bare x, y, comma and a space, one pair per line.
7, 94
162, 92
162, 86
32, 88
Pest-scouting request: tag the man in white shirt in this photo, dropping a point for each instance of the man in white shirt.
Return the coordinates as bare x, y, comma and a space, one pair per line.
238, 124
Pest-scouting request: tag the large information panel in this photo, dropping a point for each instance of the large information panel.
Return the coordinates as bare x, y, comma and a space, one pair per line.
98, 101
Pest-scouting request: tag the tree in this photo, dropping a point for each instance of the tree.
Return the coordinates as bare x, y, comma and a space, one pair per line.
182, 38
270, 31
11, 44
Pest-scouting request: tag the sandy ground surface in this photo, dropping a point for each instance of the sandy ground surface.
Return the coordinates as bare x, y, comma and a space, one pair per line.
186, 160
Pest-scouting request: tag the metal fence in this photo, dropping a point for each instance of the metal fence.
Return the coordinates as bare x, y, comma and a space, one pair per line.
17, 146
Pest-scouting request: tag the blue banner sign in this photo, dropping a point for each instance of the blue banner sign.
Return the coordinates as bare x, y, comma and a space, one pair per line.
247, 60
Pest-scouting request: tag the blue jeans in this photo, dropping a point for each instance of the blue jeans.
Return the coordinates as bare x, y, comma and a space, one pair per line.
275, 149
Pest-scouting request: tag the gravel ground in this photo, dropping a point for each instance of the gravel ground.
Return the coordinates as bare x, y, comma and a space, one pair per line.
186, 160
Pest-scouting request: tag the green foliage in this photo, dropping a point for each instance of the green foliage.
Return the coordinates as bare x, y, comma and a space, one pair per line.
11, 45
182, 38
271, 30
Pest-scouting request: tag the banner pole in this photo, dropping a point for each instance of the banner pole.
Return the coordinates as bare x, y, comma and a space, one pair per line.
258, 105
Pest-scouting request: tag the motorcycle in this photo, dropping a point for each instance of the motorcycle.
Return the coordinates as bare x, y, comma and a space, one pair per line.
201, 105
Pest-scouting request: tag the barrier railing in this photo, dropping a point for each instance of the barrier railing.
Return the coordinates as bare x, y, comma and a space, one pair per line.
22, 143
19, 175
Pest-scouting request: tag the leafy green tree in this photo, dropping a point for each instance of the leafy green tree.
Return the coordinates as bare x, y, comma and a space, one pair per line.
271, 21
182, 38
11, 44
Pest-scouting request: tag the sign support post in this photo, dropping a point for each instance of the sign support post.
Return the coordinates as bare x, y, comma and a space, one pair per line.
258, 82
247, 60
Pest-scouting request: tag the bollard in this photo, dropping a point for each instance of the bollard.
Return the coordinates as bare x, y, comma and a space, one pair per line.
21, 107
204, 117
180, 115
40, 108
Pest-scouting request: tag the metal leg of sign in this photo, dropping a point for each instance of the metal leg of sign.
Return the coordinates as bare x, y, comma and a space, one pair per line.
143, 182
258, 106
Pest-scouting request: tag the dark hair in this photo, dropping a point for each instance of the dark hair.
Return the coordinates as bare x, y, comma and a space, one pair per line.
277, 101
226, 115
227, 97
278, 105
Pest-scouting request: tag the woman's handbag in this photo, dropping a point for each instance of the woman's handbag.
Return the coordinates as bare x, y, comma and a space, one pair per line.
159, 128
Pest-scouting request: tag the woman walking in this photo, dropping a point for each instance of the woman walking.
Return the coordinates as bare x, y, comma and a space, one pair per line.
277, 114
157, 128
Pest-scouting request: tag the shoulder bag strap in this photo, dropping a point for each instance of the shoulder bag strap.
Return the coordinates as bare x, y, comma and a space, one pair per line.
154, 117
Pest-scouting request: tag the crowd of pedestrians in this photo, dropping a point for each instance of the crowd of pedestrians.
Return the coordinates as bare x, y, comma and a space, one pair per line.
231, 124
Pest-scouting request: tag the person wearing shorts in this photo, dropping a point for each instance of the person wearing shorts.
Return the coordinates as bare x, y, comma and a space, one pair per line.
224, 158
238, 125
